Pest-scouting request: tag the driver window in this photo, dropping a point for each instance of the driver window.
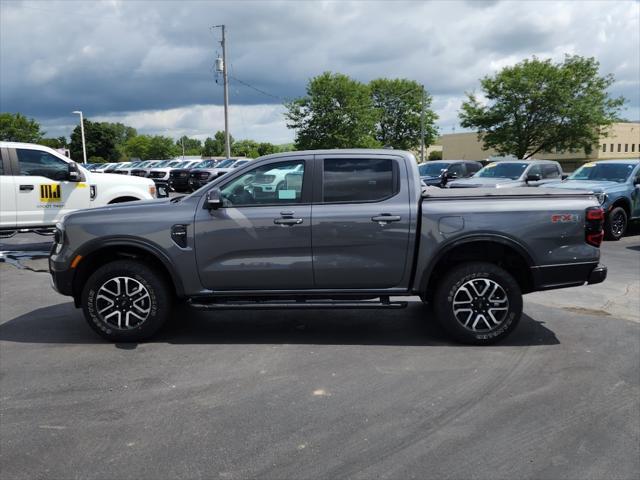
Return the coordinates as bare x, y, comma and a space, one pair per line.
37, 163
272, 184
535, 170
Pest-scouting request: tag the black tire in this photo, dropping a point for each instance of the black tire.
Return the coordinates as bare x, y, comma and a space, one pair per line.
489, 317
155, 299
616, 224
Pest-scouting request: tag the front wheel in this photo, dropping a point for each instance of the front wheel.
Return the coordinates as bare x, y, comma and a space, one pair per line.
478, 303
126, 301
616, 224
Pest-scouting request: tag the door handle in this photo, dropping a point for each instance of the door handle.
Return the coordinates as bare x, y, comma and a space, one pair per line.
287, 221
26, 188
386, 218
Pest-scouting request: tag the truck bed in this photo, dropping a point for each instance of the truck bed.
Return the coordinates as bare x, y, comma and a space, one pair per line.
474, 193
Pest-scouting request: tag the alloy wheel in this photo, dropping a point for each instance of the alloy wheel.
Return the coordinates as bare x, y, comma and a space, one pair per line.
480, 305
123, 303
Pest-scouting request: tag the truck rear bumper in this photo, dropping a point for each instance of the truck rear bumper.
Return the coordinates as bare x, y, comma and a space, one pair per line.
548, 277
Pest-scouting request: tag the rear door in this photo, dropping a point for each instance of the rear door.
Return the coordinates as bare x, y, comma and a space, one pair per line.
43, 191
7, 192
361, 221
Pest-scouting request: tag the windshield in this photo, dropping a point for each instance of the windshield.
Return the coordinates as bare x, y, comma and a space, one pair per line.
205, 164
611, 172
509, 170
224, 163
432, 169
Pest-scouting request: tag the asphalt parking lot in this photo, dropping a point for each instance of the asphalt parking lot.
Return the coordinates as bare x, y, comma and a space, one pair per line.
341, 394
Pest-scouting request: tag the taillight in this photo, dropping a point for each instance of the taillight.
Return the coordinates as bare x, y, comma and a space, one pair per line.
593, 226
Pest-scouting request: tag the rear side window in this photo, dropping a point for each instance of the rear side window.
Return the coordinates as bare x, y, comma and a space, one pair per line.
550, 171
358, 179
41, 164
473, 168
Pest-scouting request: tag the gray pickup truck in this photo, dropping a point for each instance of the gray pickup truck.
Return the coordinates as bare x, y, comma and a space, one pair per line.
343, 229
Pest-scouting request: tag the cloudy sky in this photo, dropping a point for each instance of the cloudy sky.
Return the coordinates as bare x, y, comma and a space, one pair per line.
149, 63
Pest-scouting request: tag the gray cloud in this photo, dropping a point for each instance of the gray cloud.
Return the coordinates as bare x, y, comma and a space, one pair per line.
117, 59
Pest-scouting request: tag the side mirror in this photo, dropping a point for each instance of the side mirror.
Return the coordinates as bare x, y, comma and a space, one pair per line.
533, 177
213, 200
564, 176
636, 182
74, 173
450, 175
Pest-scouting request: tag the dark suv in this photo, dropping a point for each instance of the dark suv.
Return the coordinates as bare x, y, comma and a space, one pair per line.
438, 173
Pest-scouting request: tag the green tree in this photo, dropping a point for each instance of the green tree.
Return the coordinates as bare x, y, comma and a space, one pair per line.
192, 146
245, 148
214, 147
266, 148
53, 142
162, 148
399, 106
100, 141
435, 155
15, 127
537, 105
337, 112
138, 147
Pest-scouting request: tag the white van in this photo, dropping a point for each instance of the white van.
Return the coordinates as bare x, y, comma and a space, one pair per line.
38, 185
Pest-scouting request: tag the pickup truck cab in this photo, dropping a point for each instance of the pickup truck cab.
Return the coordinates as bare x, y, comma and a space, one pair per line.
348, 229
38, 185
510, 174
616, 183
438, 173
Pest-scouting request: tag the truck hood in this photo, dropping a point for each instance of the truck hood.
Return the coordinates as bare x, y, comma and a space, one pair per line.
592, 186
133, 208
478, 182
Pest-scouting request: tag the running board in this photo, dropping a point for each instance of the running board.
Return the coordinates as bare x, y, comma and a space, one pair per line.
293, 304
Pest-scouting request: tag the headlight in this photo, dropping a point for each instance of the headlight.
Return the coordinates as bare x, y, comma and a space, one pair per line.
602, 198
58, 238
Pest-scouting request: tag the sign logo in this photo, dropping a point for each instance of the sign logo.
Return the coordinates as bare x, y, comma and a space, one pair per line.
50, 193
565, 218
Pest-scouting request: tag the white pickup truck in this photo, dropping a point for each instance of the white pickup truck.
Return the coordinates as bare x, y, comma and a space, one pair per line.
39, 185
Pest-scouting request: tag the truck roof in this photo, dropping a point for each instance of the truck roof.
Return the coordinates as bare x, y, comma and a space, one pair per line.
344, 151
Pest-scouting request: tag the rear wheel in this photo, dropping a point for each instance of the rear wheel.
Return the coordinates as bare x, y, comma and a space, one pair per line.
616, 224
478, 303
126, 301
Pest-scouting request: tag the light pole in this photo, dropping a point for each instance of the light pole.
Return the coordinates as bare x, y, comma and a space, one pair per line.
84, 146
422, 128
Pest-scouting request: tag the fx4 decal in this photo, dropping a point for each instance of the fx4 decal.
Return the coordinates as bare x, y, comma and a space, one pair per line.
565, 218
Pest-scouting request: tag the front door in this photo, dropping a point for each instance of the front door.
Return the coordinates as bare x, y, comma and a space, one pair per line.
7, 192
43, 190
260, 239
361, 221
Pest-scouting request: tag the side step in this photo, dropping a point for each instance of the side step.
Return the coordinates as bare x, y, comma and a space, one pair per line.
212, 304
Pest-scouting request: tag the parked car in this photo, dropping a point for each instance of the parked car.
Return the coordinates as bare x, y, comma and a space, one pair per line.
103, 167
438, 173
161, 174
509, 174
617, 185
363, 234
143, 170
39, 185
201, 176
179, 177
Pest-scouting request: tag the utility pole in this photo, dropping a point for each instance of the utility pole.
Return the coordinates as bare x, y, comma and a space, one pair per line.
222, 67
422, 129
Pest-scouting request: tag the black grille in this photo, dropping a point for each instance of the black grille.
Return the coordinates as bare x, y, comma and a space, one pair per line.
156, 174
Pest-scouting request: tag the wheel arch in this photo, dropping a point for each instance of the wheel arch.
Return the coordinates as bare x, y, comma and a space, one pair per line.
623, 202
95, 256
502, 251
